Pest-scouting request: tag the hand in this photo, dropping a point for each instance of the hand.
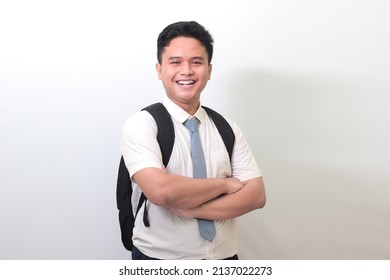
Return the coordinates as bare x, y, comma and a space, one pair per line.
233, 185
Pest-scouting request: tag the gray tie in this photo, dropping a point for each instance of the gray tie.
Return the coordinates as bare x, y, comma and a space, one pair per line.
206, 227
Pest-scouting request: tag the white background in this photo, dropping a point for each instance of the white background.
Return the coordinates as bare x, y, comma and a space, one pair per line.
307, 81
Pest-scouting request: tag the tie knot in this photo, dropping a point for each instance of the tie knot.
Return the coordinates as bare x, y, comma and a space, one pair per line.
192, 124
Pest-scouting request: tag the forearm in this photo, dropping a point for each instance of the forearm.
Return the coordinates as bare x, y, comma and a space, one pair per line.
228, 206
185, 192
174, 191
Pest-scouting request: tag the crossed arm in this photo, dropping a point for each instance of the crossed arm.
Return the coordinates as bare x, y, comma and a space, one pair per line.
249, 198
213, 198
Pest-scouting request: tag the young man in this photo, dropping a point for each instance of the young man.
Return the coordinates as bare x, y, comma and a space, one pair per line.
176, 200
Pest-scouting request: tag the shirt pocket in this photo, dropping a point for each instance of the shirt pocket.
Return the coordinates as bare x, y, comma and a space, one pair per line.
220, 164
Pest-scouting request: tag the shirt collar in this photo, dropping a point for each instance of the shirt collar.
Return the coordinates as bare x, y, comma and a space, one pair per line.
179, 114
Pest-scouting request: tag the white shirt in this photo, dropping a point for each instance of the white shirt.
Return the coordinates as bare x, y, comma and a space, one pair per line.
170, 236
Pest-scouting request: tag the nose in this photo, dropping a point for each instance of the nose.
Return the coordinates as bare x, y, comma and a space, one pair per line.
187, 69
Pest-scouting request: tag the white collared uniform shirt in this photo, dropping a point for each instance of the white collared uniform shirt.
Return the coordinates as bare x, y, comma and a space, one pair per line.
170, 236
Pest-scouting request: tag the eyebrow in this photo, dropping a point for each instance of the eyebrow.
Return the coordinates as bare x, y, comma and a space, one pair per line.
180, 57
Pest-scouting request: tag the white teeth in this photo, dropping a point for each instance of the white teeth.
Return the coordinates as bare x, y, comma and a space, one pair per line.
185, 83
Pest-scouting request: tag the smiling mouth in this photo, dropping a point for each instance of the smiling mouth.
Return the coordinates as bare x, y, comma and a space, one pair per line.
185, 83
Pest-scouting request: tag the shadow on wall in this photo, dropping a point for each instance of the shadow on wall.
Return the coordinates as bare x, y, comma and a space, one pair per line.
313, 138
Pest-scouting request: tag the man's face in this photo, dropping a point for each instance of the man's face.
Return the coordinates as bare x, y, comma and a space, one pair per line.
184, 71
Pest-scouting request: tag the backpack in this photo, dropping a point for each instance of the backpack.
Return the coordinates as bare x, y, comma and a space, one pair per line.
165, 138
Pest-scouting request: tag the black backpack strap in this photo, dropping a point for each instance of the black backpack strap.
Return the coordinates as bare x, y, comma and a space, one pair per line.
224, 129
165, 138
165, 130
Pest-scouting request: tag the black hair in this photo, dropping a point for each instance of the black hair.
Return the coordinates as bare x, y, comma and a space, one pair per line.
190, 29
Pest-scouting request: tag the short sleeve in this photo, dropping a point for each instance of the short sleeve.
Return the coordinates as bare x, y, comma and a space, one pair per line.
140, 148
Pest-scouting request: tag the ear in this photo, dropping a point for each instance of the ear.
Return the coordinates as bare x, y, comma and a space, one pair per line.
158, 69
210, 69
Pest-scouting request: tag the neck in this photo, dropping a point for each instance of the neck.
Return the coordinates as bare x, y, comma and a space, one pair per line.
190, 107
